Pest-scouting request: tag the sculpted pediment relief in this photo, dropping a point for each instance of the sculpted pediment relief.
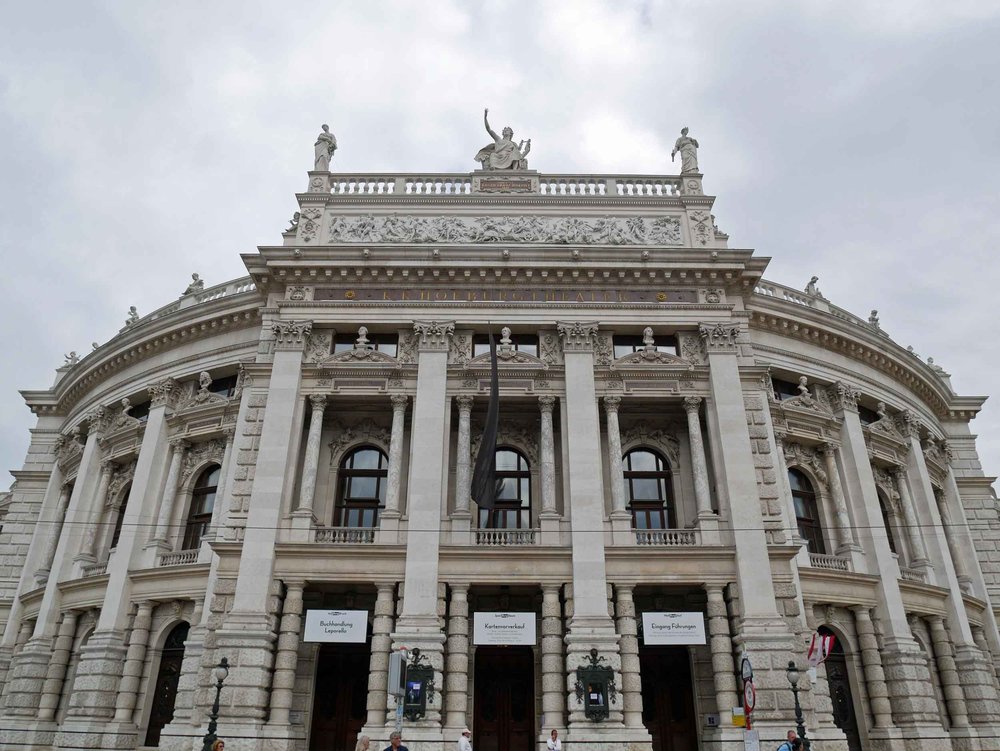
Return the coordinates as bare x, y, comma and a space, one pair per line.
360, 355
651, 357
506, 357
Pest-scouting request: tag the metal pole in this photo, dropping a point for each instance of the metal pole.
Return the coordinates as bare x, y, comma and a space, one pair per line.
210, 736
800, 726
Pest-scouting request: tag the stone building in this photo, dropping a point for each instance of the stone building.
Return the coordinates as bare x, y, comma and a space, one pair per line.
677, 436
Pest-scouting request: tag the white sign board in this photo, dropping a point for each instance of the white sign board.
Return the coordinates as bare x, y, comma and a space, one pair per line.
336, 625
673, 628
504, 629
751, 740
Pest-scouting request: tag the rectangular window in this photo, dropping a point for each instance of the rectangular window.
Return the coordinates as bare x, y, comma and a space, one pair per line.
867, 416
626, 344
526, 343
224, 386
784, 390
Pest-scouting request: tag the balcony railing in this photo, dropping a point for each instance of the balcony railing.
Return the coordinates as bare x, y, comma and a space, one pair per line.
346, 535
829, 562
180, 558
95, 569
460, 183
670, 538
911, 575
505, 537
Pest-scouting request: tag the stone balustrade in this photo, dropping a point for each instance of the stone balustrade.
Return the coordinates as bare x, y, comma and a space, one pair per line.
180, 558
670, 538
912, 575
96, 569
505, 537
346, 535
829, 562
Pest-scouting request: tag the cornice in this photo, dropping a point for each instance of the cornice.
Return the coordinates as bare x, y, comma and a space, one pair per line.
436, 202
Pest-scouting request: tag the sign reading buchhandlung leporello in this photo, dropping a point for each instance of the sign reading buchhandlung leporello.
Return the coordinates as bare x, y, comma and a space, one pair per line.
336, 625
504, 629
673, 628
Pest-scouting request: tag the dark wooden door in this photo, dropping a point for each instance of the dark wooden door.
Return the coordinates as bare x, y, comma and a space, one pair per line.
668, 698
840, 695
165, 692
340, 696
504, 708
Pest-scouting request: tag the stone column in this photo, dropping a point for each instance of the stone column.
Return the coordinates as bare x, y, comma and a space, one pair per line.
945, 658
457, 667
177, 448
917, 549
699, 464
980, 640
307, 488
871, 660
721, 644
49, 554
88, 551
289, 634
629, 646
548, 456
952, 535
56, 674
378, 668
419, 626
247, 634
844, 534
463, 458
611, 405
135, 659
553, 670
395, 474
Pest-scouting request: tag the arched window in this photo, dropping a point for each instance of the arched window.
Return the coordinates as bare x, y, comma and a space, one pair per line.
513, 506
806, 511
883, 507
202, 502
120, 516
648, 490
362, 481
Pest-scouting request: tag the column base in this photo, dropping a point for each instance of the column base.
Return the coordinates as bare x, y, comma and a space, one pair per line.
707, 524
854, 553
303, 523
550, 523
461, 528
621, 528
76, 734
98, 675
388, 528
26, 734
25, 678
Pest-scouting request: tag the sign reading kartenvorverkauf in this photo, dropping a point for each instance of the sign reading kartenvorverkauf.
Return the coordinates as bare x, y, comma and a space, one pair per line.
503, 629
673, 628
336, 625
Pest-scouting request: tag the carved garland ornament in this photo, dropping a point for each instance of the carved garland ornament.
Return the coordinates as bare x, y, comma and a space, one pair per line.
641, 434
665, 230
513, 434
362, 432
200, 454
803, 456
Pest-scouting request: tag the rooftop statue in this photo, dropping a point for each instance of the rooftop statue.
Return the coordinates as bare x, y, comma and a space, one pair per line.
688, 147
326, 144
503, 153
197, 285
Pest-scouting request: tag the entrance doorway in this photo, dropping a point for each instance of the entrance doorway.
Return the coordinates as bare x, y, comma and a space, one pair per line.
840, 693
340, 696
504, 699
668, 698
167, 677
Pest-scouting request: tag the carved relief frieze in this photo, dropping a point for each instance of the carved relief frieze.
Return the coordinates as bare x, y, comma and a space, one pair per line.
549, 349
122, 476
506, 357
366, 430
460, 350
120, 419
642, 434
319, 346
885, 482
692, 347
701, 226
519, 435
360, 355
664, 230
200, 454
798, 455
309, 223
406, 350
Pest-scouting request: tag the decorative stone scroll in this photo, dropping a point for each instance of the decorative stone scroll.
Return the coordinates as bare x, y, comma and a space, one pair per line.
805, 399
578, 336
434, 335
719, 337
577, 230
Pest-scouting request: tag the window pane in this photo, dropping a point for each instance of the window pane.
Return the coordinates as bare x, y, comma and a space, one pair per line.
525, 490
365, 459
643, 461
382, 483
508, 489
361, 487
646, 489
388, 348
799, 481
507, 461
209, 478
203, 503
655, 520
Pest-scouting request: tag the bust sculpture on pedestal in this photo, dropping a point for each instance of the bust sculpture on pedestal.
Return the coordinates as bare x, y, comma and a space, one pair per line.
503, 154
326, 144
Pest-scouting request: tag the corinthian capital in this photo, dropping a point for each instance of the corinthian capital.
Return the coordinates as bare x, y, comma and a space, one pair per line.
577, 336
97, 420
612, 403
843, 397
692, 403
719, 337
433, 336
291, 335
908, 423
317, 401
164, 393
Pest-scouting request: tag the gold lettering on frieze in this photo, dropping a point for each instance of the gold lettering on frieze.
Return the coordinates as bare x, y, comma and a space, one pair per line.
464, 295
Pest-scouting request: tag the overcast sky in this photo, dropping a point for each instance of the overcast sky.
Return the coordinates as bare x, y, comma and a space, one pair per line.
143, 141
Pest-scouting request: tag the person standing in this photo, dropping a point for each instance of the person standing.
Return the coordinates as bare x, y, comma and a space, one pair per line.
464, 742
362, 744
553, 743
791, 742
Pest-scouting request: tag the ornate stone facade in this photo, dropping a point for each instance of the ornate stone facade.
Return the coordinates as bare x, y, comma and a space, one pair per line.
263, 452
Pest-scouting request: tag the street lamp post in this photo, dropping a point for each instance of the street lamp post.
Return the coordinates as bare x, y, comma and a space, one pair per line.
219, 672
792, 673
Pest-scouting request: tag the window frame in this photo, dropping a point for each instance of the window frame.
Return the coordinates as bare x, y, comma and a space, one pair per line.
810, 529
198, 520
386, 343
663, 508
507, 509
363, 509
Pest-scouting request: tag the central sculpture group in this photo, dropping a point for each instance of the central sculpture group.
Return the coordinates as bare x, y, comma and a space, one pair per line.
503, 153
